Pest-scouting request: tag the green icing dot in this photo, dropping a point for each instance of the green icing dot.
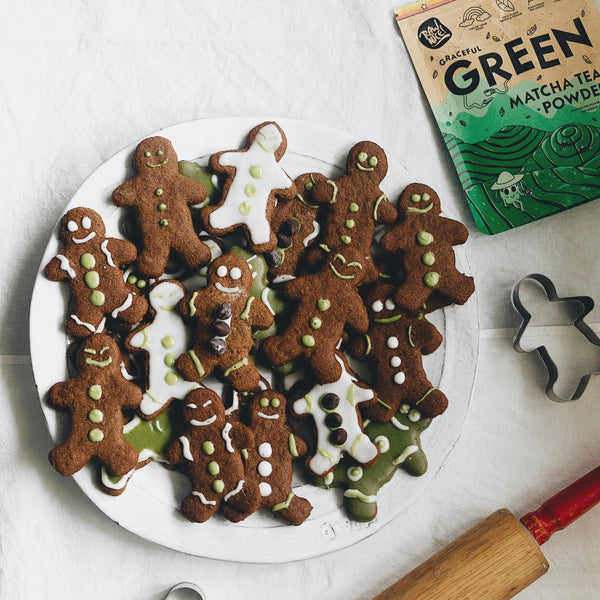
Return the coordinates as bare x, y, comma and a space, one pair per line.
245, 208
264, 402
353, 207
141, 283
218, 486
96, 435
97, 298
213, 468
315, 323
426, 197
132, 279
164, 222
256, 171
362, 156
171, 378
92, 279
275, 402
431, 279
94, 392
208, 448
158, 191
87, 261
161, 207
170, 359
416, 198
251, 189
323, 304
428, 258
349, 223
346, 239
168, 341
424, 238
308, 341
373, 161
95, 415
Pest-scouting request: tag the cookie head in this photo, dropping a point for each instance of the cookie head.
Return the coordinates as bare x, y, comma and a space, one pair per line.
270, 137
346, 264
154, 153
381, 305
80, 225
98, 352
369, 159
203, 407
229, 274
419, 200
268, 407
165, 295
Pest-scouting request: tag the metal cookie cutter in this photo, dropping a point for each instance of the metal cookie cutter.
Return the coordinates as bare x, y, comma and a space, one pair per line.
185, 591
586, 303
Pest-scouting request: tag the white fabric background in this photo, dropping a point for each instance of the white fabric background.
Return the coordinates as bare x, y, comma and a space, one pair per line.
82, 79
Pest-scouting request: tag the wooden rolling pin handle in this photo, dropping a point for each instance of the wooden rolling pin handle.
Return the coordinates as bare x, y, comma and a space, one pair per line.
563, 508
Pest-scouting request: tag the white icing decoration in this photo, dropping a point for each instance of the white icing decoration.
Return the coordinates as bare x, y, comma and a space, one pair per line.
360, 496
227, 438
394, 421
236, 490
408, 451
354, 473
167, 322
222, 271
265, 450
209, 421
226, 290
265, 468
262, 153
203, 498
389, 304
119, 484
235, 273
358, 445
265, 489
72, 226
395, 361
383, 443
89, 326
86, 222
106, 252
187, 453
65, 265
311, 236
126, 304
399, 377
377, 306
392, 342
262, 415
283, 278
328, 480
87, 238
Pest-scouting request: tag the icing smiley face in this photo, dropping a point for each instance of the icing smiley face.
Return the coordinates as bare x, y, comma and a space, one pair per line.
230, 274
98, 351
165, 295
204, 408
346, 266
421, 203
268, 406
367, 157
154, 153
79, 226
383, 309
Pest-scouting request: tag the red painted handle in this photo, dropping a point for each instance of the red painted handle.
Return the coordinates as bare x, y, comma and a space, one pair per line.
563, 508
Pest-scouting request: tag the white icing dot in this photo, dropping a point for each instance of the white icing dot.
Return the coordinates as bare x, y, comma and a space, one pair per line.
265, 489
222, 271
235, 273
383, 443
265, 468
389, 304
72, 226
377, 306
86, 222
395, 361
414, 415
354, 473
399, 377
392, 342
328, 479
265, 450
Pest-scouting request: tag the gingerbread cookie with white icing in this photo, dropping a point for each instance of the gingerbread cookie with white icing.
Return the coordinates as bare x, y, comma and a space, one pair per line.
254, 182
92, 265
96, 398
161, 198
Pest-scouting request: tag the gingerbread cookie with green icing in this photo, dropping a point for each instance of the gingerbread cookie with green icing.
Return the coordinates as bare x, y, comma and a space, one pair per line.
160, 197
399, 443
424, 240
254, 182
213, 450
95, 399
325, 303
354, 204
270, 462
297, 225
92, 265
394, 346
224, 315
162, 341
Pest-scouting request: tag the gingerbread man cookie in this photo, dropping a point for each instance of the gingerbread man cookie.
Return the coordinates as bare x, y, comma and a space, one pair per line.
92, 263
163, 340
337, 421
160, 198
327, 302
96, 398
394, 345
254, 182
354, 204
225, 314
425, 241
212, 450
275, 448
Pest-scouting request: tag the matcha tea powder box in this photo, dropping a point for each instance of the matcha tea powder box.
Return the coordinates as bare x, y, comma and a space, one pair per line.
514, 86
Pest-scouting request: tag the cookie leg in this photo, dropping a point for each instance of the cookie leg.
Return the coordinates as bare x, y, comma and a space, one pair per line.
194, 365
132, 309
151, 262
412, 295
119, 457
67, 460
326, 367
432, 403
293, 509
362, 507
196, 508
243, 376
194, 252
457, 287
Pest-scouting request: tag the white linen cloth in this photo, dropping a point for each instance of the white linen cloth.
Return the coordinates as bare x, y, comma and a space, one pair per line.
80, 80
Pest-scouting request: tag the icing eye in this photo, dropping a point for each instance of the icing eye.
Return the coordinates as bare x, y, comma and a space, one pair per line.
275, 402
377, 306
72, 226
383, 443
86, 222
264, 402
222, 271
415, 198
147, 154
354, 473
235, 273
389, 304
159, 152
362, 156
373, 161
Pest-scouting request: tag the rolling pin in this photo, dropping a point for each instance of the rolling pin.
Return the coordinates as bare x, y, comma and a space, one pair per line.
500, 556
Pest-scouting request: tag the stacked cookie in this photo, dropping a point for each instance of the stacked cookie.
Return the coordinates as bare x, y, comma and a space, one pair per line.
219, 337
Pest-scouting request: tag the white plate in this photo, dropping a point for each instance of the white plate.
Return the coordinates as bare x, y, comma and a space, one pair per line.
149, 505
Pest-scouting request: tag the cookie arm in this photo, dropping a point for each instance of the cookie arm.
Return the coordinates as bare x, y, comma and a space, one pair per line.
455, 231
119, 252
396, 238
242, 437
424, 335
125, 194
174, 452
60, 395
324, 192
193, 190
131, 396
59, 269
357, 316
260, 316
297, 446
384, 211
358, 346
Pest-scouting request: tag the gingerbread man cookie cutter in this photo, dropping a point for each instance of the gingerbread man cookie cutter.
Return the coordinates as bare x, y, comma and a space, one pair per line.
586, 304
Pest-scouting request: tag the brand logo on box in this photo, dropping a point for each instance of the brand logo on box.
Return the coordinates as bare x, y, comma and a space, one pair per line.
433, 33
